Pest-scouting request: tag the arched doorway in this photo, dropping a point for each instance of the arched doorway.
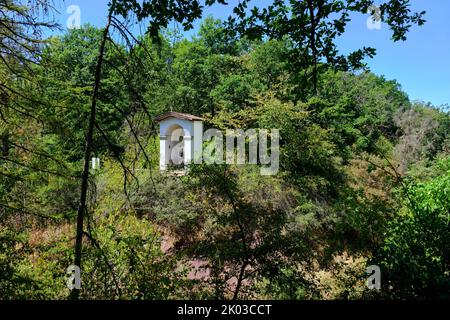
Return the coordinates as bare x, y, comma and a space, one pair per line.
178, 141
175, 147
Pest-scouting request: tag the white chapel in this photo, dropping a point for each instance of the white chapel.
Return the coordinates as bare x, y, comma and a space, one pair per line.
180, 139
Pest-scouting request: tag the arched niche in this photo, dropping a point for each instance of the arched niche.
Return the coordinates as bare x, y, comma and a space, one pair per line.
175, 145
180, 137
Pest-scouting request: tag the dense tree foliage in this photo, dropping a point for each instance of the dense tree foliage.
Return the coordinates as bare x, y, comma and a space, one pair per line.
364, 172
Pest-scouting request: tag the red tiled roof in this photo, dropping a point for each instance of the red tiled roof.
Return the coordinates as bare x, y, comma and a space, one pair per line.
178, 115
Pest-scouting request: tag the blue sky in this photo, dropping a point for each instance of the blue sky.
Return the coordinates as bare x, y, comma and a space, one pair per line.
421, 64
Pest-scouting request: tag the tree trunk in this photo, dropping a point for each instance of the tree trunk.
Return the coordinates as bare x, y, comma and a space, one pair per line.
5, 144
239, 280
87, 154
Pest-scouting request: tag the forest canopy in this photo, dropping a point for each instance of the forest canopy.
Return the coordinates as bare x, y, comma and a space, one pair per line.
364, 173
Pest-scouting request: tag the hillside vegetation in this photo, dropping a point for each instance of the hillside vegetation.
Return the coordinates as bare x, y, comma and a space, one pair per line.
364, 176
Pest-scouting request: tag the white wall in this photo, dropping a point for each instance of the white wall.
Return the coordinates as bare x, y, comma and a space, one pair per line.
193, 139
